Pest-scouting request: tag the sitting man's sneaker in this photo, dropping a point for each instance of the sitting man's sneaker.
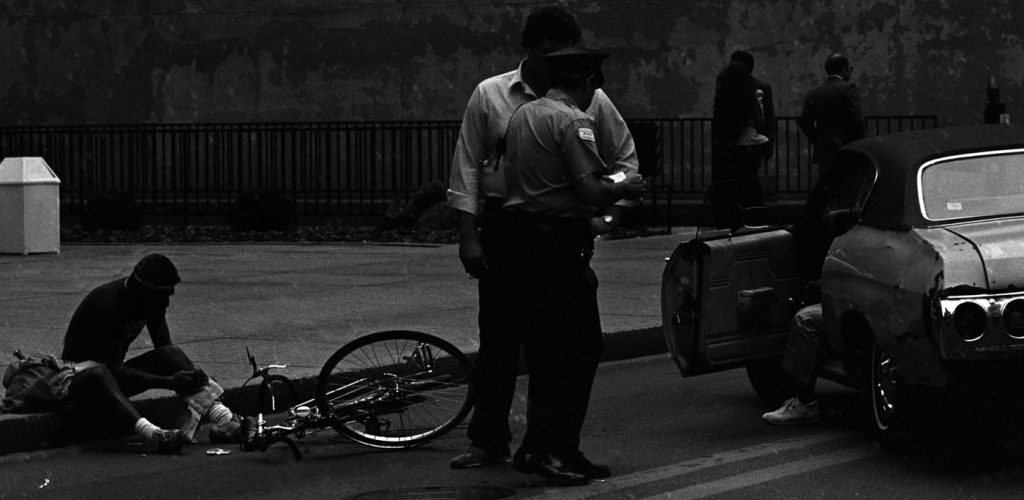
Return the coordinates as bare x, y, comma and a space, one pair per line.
794, 412
169, 441
238, 431
580, 465
544, 466
478, 457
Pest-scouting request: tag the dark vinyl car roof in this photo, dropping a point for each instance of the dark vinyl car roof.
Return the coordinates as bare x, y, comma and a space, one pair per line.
897, 157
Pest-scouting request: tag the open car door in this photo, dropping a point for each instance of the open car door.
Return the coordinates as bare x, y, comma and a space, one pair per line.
727, 297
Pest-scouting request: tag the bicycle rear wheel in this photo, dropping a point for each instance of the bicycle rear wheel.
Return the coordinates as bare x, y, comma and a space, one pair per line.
395, 389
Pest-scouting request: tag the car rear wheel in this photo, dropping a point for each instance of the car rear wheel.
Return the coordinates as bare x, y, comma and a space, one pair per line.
883, 390
895, 408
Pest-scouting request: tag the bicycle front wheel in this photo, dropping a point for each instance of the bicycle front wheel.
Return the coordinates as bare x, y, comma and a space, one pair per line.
395, 389
276, 394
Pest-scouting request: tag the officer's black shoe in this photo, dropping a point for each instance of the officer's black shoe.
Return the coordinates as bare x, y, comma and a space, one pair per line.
544, 466
580, 465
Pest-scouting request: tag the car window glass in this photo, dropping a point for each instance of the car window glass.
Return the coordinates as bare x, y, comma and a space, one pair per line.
973, 186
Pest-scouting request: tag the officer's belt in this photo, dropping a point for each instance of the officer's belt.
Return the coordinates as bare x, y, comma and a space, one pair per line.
563, 227
494, 205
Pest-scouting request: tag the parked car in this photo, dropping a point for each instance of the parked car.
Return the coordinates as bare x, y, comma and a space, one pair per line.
920, 274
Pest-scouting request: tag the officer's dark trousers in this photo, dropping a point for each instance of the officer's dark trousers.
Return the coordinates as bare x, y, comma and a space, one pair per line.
556, 299
497, 359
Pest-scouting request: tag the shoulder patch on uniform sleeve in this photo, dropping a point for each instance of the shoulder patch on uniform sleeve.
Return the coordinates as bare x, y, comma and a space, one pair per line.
585, 134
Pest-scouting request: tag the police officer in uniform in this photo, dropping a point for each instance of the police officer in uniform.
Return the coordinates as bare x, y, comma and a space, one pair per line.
555, 182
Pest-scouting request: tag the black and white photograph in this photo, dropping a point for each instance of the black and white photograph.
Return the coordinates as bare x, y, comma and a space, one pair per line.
472, 250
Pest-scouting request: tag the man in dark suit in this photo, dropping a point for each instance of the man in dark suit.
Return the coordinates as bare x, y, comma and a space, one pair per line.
831, 114
830, 118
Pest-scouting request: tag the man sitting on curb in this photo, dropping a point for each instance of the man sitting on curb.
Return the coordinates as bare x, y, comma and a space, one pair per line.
103, 327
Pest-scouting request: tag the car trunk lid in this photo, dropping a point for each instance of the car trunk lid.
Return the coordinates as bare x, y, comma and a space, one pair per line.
1000, 243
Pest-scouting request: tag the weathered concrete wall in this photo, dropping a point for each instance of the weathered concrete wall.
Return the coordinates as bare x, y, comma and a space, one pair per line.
172, 61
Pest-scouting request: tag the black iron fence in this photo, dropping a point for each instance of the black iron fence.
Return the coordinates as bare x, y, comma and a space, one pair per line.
684, 165
345, 168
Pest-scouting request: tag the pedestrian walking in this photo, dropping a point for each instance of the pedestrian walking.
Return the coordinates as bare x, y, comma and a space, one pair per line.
765, 100
831, 115
739, 140
830, 118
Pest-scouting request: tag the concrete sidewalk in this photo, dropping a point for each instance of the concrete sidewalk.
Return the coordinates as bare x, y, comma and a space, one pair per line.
296, 304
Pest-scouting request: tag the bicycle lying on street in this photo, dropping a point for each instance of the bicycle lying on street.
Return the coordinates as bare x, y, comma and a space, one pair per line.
393, 389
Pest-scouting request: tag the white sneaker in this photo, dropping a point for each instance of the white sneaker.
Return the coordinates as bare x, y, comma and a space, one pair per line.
794, 412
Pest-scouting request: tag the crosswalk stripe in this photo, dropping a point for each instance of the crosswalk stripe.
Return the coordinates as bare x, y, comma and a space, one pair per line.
682, 468
766, 474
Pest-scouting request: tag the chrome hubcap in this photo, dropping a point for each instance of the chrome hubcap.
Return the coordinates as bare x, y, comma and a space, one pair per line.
884, 387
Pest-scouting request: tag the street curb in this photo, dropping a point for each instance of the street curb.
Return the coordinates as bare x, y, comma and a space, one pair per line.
633, 344
36, 431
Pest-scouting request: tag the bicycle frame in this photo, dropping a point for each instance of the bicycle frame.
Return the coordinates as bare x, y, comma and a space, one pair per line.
297, 424
393, 389
267, 379
305, 418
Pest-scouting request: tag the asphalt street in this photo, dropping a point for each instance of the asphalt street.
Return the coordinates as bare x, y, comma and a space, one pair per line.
663, 436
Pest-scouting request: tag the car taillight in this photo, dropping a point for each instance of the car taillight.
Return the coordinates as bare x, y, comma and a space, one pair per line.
684, 303
1013, 318
969, 320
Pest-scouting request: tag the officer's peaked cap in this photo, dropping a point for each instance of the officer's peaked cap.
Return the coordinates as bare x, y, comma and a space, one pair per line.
577, 60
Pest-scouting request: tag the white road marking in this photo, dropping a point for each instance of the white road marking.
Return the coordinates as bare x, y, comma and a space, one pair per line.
766, 474
638, 478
